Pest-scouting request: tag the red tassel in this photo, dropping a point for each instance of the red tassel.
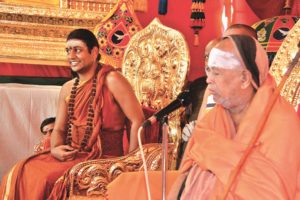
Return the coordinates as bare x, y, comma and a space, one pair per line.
197, 18
196, 39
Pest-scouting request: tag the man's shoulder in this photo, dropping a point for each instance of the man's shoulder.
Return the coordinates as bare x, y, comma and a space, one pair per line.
105, 68
68, 84
115, 79
111, 72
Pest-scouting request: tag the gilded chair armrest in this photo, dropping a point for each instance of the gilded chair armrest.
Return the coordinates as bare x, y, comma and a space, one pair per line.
90, 178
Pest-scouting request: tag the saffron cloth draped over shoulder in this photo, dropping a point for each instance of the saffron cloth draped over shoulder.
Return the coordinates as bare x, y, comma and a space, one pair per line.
219, 142
34, 177
272, 169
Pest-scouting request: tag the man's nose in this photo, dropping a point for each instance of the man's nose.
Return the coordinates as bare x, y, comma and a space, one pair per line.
209, 78
72, 53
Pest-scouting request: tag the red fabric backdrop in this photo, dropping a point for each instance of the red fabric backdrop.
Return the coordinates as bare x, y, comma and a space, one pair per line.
178, 17
18, 69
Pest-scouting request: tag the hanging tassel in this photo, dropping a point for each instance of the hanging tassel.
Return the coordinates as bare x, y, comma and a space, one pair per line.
197, 18
140, 5
196, 39
163, 7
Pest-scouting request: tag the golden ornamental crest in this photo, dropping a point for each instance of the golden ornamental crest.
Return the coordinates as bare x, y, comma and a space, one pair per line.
286, 52
156, 63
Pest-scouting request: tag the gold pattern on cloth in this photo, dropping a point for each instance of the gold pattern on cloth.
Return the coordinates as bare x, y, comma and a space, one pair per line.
286, 52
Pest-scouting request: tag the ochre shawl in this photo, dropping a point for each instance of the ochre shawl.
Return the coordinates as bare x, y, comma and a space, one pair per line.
272, 169
34, 177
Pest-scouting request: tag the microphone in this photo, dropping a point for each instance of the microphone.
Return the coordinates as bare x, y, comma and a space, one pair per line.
183, 99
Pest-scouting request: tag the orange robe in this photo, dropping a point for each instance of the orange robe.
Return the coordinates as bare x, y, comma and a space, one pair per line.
271, 171
34, 177
44, 144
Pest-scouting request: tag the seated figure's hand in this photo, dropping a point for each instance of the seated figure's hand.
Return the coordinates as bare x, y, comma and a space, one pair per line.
187, 130
64, 152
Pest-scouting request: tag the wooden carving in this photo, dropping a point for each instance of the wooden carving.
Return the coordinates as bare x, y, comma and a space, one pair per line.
156, 63
90, 178
38, 34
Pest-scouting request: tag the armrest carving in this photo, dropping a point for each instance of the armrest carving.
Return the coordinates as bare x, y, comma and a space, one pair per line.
90, 178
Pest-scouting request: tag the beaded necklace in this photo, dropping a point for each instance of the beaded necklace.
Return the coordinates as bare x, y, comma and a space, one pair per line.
89, 123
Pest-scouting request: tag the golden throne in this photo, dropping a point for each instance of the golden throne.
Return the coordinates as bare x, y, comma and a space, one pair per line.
285, 54
156, 64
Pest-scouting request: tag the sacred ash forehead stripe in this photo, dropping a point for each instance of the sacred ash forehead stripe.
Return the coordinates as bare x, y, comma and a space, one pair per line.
224, 59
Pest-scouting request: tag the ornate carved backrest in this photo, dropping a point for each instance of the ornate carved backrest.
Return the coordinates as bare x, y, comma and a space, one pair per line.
286, 52
156, 62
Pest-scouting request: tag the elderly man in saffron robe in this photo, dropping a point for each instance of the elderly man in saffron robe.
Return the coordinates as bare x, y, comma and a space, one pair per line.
222, 159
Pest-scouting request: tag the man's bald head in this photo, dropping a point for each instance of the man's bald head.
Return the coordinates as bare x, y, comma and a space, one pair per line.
240, 29
225, 55
241, 51
211, 44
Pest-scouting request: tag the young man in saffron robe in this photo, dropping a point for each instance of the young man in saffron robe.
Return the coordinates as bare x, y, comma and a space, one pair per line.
90, 122
238, 79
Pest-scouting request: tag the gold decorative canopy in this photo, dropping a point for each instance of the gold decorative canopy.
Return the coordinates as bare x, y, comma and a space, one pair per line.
286, 52
37, 34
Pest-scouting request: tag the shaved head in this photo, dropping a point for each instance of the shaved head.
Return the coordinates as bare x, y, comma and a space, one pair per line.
240, 29
210, 45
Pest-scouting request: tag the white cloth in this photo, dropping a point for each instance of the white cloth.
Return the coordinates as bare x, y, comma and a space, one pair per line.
224, 59
187, 130
22, 109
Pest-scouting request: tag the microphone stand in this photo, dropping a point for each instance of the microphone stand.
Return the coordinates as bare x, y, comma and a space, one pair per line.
165, 134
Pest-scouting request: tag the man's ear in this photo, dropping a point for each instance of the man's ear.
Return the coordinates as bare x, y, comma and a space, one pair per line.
95, 51
246, 78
